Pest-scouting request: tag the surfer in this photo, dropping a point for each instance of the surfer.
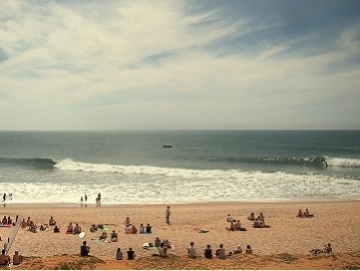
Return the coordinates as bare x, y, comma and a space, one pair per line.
326, 164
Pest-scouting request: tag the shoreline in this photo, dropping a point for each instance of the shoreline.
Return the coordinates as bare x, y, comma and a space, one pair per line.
92, 205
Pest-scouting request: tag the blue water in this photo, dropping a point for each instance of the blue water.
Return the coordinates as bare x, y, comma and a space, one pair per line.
134, 167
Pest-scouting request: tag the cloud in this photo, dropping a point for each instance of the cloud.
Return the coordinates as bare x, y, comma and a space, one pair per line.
169, 65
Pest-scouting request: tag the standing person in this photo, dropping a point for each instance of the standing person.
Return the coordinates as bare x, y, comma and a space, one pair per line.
4, 197
85, 200
168, 215
81, 200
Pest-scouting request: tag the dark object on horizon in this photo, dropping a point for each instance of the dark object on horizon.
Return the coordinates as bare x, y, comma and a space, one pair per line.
167, 146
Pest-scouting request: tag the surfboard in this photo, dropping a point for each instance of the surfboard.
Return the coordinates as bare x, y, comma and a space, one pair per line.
8, 226
81, 234
146, 245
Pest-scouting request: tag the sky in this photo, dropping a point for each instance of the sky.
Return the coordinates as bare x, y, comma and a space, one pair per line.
179, 65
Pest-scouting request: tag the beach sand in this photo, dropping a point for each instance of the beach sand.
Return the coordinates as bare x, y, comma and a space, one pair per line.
285, 245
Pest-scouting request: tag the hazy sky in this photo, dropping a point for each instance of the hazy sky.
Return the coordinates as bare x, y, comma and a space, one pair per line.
78, 65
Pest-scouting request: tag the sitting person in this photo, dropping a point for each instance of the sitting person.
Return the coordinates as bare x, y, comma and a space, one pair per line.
208, 252
84, 249
28, 221
4, 221
17, 259
114, 236
9, 222
251, 217
43, 227
23, 224
220, 252
300, 214
103, 236
119, 254
248, 249
237, 226
148, 228
229, 218
232, 227
238, 250
130, 254
257, 223
327, 248
32, 227
52, 221
191, 250
142, 229
70, 229
56, 229
93, 228
77, 229
128, 228
133, 230
162, 251
307, 214
261, 217
157, 242
4, 258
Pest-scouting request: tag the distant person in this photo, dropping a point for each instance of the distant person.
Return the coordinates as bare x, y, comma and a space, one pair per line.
162, 251
81, 200
238, 250
17, 259
52, 221
4, 197
84, 249
251, 217
119, 254
208, 252
56, 229
142, 229
307, 214
148, 228
229, 218
248, 249
114, 236
85, 198
300, 214
191, 250
4, 258
168, 215
130, 254
220, 252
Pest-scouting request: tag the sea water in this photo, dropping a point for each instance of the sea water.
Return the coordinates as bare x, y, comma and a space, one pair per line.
134, 167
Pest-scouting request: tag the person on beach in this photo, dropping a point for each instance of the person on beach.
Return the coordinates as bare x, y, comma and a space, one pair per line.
93, 228
157, 242
133, 230
130, 254
167, 215
327, 248
85, 200
307, 214
56, 229
84, 249
32, 227
81, 200
232, 227
103, 236
142, 229
23, 224
114, 236
238, 250
148, 228
237, 226
162, 251
191, 250
220, 252
4, 258
9, 221
52, 221
4, 221
17, 258
229, 218
127, 222
248, 249
208, 252
77, 229
300, 214
70, 228
261, 217
4, 197
119, 254
28, 221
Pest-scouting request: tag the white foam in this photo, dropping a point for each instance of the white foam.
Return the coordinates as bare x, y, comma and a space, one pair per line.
343, 162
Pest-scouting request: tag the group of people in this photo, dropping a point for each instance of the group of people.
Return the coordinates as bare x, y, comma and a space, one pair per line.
235, 225
85, 250
8, 221
306, 213
73, 230
220, 253
5, 258
259, 222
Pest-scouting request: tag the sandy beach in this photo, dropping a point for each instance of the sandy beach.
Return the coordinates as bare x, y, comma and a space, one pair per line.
335, 222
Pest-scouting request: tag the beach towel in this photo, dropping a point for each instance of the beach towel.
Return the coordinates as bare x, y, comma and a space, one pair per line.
98, 240
267, 226
103, 229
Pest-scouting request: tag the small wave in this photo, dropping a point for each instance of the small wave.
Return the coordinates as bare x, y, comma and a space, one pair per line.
343, 162
315, 161
42, 163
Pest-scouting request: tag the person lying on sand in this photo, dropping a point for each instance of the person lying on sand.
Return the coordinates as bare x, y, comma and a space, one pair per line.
300, 214
251, 217
307, 214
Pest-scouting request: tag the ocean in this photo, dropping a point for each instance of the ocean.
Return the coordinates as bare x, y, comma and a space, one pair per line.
134, 167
